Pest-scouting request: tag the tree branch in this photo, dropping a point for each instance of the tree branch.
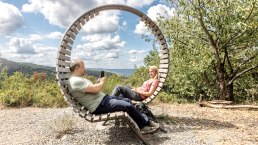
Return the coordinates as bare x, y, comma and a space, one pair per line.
235, 35
241, 73
243, 63
226, 57
250, 13
213, 43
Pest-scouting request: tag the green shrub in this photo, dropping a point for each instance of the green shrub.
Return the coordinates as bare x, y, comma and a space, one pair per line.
111, 82
170, 98
19, 90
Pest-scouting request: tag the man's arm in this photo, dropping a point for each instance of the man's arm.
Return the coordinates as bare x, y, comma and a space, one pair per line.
95, 88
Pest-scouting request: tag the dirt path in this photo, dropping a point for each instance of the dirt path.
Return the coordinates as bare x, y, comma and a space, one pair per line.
186, 124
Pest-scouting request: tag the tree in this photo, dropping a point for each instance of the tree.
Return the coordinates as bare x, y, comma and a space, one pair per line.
221, 34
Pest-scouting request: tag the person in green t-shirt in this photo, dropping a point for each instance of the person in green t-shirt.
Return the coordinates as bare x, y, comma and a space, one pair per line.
90, 95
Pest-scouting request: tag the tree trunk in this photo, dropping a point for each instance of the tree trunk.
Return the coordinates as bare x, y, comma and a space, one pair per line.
230, 94
221, 81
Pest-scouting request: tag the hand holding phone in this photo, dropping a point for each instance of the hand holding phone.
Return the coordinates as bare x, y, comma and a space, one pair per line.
102, 74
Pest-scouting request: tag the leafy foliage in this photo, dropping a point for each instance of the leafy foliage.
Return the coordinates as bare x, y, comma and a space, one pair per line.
213, 48
19, 90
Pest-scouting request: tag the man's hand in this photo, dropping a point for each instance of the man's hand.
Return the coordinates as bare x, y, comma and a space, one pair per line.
102, 80
96, 88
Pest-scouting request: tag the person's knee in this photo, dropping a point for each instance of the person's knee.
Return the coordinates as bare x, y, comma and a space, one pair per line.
127, 100
118, 87
129, 106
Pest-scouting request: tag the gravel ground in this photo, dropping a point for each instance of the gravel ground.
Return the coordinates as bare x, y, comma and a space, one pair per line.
186, 124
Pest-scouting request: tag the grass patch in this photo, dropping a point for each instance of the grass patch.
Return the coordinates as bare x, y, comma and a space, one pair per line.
63, 125
166, 119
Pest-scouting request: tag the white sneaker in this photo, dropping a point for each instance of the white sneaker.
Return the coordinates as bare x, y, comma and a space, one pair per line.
154, 124
148, 129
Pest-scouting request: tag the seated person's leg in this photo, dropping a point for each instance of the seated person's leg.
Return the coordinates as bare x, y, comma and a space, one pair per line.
111, 104
126, 92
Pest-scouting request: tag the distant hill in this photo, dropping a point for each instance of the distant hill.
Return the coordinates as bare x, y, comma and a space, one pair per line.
30, 68
27, 68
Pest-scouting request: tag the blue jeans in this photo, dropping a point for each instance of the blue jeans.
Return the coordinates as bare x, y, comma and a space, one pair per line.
113, 104
126, 92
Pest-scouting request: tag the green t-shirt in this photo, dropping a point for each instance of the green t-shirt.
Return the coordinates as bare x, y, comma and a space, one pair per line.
77, 88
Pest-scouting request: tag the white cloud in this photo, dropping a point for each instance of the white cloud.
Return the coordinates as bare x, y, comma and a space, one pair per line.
154, 12
21, 46
139, 3
28, 45
112, 55
136, 51
105, 22
124, 23
140, 28
63, 12
59, 12
10, 18
136, 60
55, 35
101, 42
35, 37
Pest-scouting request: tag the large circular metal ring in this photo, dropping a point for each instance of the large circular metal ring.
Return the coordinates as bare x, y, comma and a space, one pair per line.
64, 52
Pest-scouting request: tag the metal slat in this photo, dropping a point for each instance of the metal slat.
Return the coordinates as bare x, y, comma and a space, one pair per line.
96, 13
96, 118
163, 75
155, 93
63, 63
158, 88
63, 57
66, 45
63, 69
75, 30
78, 26
164, 60
89, 116
157, 33
163, 51
63, 76
82, 21
143, 18
160, 84
87, 17
68, 39
83, 113
162, 80
152, 24
71, 34
71, 101
164, 46
64, 82
162, 42
64, 90
163, 65
147, 21
152, 97
155, 28
91, 15
163, 70
65, 51
160, 37
77, 108
162, 56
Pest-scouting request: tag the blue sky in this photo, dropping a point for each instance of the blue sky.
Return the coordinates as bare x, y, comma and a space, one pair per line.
31, 30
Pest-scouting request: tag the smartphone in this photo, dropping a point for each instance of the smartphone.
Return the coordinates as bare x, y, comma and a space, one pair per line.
102, 74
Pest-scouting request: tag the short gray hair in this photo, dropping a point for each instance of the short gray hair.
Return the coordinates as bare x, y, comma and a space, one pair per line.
73, 64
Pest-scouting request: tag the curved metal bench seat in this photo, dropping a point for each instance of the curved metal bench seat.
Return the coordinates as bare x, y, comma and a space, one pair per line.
64, 58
